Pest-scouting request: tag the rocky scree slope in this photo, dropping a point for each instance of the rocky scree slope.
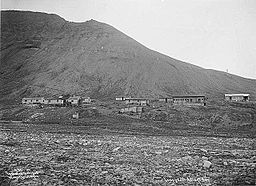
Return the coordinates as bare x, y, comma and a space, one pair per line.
43, 54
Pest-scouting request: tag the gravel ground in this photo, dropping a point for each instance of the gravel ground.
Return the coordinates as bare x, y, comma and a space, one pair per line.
30, 157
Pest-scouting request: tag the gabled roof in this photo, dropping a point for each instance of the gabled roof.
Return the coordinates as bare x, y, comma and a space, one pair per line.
34, 98
136, 98
237, 94
54, 99
74, 98
188, 96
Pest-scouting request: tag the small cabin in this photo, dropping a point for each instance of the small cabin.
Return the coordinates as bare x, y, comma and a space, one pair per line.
165, 100
36, 100
86, 100
74, 100
237, 97
120, 99
75, 116
137, 101
189, 100
132, 109
54, 101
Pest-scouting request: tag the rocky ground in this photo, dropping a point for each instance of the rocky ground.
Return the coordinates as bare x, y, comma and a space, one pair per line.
32, 156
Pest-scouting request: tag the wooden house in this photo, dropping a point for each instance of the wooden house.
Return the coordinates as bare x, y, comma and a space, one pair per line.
75, 116
137, 101
132, 109
74, 100
86, 100
55, 102
44, 101
120, 99
189, 100
36, 100
237, 97
166, 100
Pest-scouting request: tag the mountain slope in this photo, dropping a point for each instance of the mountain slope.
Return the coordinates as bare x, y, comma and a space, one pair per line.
42, 54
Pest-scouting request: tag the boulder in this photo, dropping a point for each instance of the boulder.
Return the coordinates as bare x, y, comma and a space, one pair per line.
207, 164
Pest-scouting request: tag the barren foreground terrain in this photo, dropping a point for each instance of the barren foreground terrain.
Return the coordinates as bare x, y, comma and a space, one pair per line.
43, 155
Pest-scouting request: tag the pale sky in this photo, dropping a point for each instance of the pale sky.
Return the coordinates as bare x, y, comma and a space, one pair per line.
213, 34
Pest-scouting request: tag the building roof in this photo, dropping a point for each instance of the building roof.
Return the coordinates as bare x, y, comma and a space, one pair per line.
74, 98
54, 99
188, 96
34, 98
136, 98
237, 94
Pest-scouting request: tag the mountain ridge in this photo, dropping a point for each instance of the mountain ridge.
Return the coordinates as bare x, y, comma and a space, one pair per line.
42, 53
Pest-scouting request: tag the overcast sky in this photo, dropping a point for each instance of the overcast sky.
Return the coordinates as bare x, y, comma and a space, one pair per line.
214, 34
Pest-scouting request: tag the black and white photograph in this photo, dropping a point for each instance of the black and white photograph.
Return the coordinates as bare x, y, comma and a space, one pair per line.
127, 92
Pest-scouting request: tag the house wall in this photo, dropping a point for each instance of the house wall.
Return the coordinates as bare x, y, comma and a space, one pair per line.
166, 100
138, 102
42, 101
139, 109
26, 101
189, 100
87, 100
32, 100
55, 102
132, 109
75, 116
120, 99
45, 101
128, 101
236, 98
74, 101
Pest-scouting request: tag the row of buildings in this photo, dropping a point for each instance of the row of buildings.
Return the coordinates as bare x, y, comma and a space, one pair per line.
199, 100
178, 100
60, 101
183, 99
136, 104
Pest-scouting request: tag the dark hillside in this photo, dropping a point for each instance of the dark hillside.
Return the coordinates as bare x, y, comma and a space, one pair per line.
42, 54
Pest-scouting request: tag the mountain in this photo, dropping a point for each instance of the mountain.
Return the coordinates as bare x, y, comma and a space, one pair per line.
44, 55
